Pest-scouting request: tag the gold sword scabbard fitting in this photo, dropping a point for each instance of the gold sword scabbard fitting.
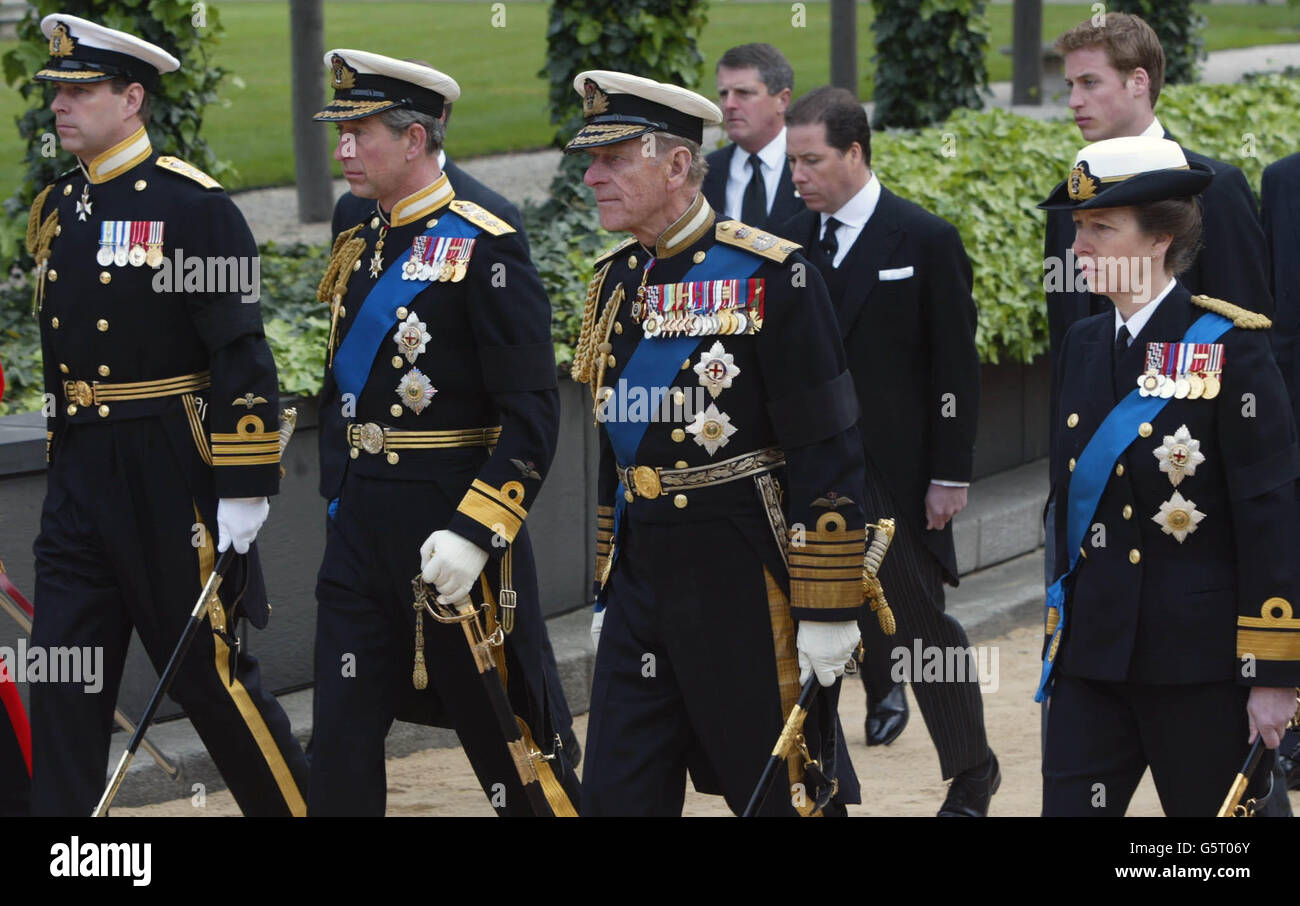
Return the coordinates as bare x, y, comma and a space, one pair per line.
1232, 807
791, 734
523, 760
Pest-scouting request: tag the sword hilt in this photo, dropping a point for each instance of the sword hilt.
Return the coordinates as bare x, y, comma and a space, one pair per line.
873, 591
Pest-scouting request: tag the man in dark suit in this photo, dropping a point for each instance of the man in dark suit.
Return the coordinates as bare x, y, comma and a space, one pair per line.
901, 284
749, 179
1115, 73
1280, 213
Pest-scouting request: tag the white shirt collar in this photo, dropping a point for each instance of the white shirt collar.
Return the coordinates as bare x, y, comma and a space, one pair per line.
857, 210
1155, 130
1140, 317
772, 155
442, 159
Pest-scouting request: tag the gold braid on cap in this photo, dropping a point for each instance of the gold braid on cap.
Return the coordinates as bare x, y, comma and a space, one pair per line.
585, 351
347, 251
39, 238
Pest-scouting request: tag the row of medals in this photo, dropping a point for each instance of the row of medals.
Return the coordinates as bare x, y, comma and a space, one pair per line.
453, 270
725, 322
1191, 386
137, 255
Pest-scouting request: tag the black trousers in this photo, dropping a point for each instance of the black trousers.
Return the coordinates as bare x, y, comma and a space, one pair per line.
124, 544
365, 649
1101, 738
913, 581
695, 664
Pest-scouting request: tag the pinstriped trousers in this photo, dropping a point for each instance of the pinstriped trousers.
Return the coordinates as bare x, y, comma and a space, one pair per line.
913, 583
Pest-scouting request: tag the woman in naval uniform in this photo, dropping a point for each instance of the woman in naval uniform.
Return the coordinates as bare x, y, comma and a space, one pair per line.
1172, 637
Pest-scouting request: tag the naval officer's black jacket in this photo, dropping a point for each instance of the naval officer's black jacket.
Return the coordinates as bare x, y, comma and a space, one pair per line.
1220, 605
119, 323
489, 360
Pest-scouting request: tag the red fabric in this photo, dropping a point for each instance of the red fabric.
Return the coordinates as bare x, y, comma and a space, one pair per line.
2, 381
13, 705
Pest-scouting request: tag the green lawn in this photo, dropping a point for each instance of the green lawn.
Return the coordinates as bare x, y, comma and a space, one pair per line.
504, 106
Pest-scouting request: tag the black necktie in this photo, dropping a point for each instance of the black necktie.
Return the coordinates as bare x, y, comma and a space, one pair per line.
753, 208
1121, 347
829, 244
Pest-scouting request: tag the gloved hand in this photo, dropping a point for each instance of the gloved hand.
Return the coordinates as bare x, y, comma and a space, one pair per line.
238, 521
824, 648
451, 564
597, 620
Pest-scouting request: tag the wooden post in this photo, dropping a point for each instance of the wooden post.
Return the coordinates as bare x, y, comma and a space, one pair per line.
311, 149
1027, 52
844, 45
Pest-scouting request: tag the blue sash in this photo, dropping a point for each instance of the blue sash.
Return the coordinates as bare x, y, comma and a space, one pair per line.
356, 354
656, 362
1092, 471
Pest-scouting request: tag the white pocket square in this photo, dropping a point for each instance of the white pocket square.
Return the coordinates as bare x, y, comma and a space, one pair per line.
896, 273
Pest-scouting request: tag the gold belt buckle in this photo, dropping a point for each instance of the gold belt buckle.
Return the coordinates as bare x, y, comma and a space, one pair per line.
79, 392
371, 437
646, 481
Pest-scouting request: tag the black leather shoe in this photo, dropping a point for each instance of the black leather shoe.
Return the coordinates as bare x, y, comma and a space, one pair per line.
887, 718
970, 791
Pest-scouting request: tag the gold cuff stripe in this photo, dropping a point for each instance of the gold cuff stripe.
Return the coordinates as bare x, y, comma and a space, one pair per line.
247, 437
828, 595
823, 549
826, 574
1269, 623
500, 497
245, 460
806, 559
849, 537
605, 511
1268, 646
246, 449
253, 718
491, 515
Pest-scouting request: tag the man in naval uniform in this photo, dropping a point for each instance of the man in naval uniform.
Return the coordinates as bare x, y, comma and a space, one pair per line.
441, 368
1172, 638
723, 522
162, 432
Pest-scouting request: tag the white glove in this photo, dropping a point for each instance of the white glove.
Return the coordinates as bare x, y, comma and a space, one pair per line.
451, 564
238, 521
824, 648
597, 620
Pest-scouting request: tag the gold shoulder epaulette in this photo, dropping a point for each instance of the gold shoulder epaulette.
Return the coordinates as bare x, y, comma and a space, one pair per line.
481, 217
606, 255
752, 239
1241, 317
176, 165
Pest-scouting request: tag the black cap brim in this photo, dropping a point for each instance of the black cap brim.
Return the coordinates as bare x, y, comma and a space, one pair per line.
1156, 185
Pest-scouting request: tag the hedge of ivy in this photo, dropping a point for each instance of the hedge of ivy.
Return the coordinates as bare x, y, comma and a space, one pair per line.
984, 172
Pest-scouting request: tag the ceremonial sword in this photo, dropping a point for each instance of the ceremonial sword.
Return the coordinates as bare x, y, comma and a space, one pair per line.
288, 421
791, 738
17, 606
467, 614
1232, 806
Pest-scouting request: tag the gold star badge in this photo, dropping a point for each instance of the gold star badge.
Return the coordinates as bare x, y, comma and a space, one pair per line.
1178, 517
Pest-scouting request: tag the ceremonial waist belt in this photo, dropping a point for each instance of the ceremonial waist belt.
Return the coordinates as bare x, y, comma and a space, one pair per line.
374, 438
82, 393
652, 481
